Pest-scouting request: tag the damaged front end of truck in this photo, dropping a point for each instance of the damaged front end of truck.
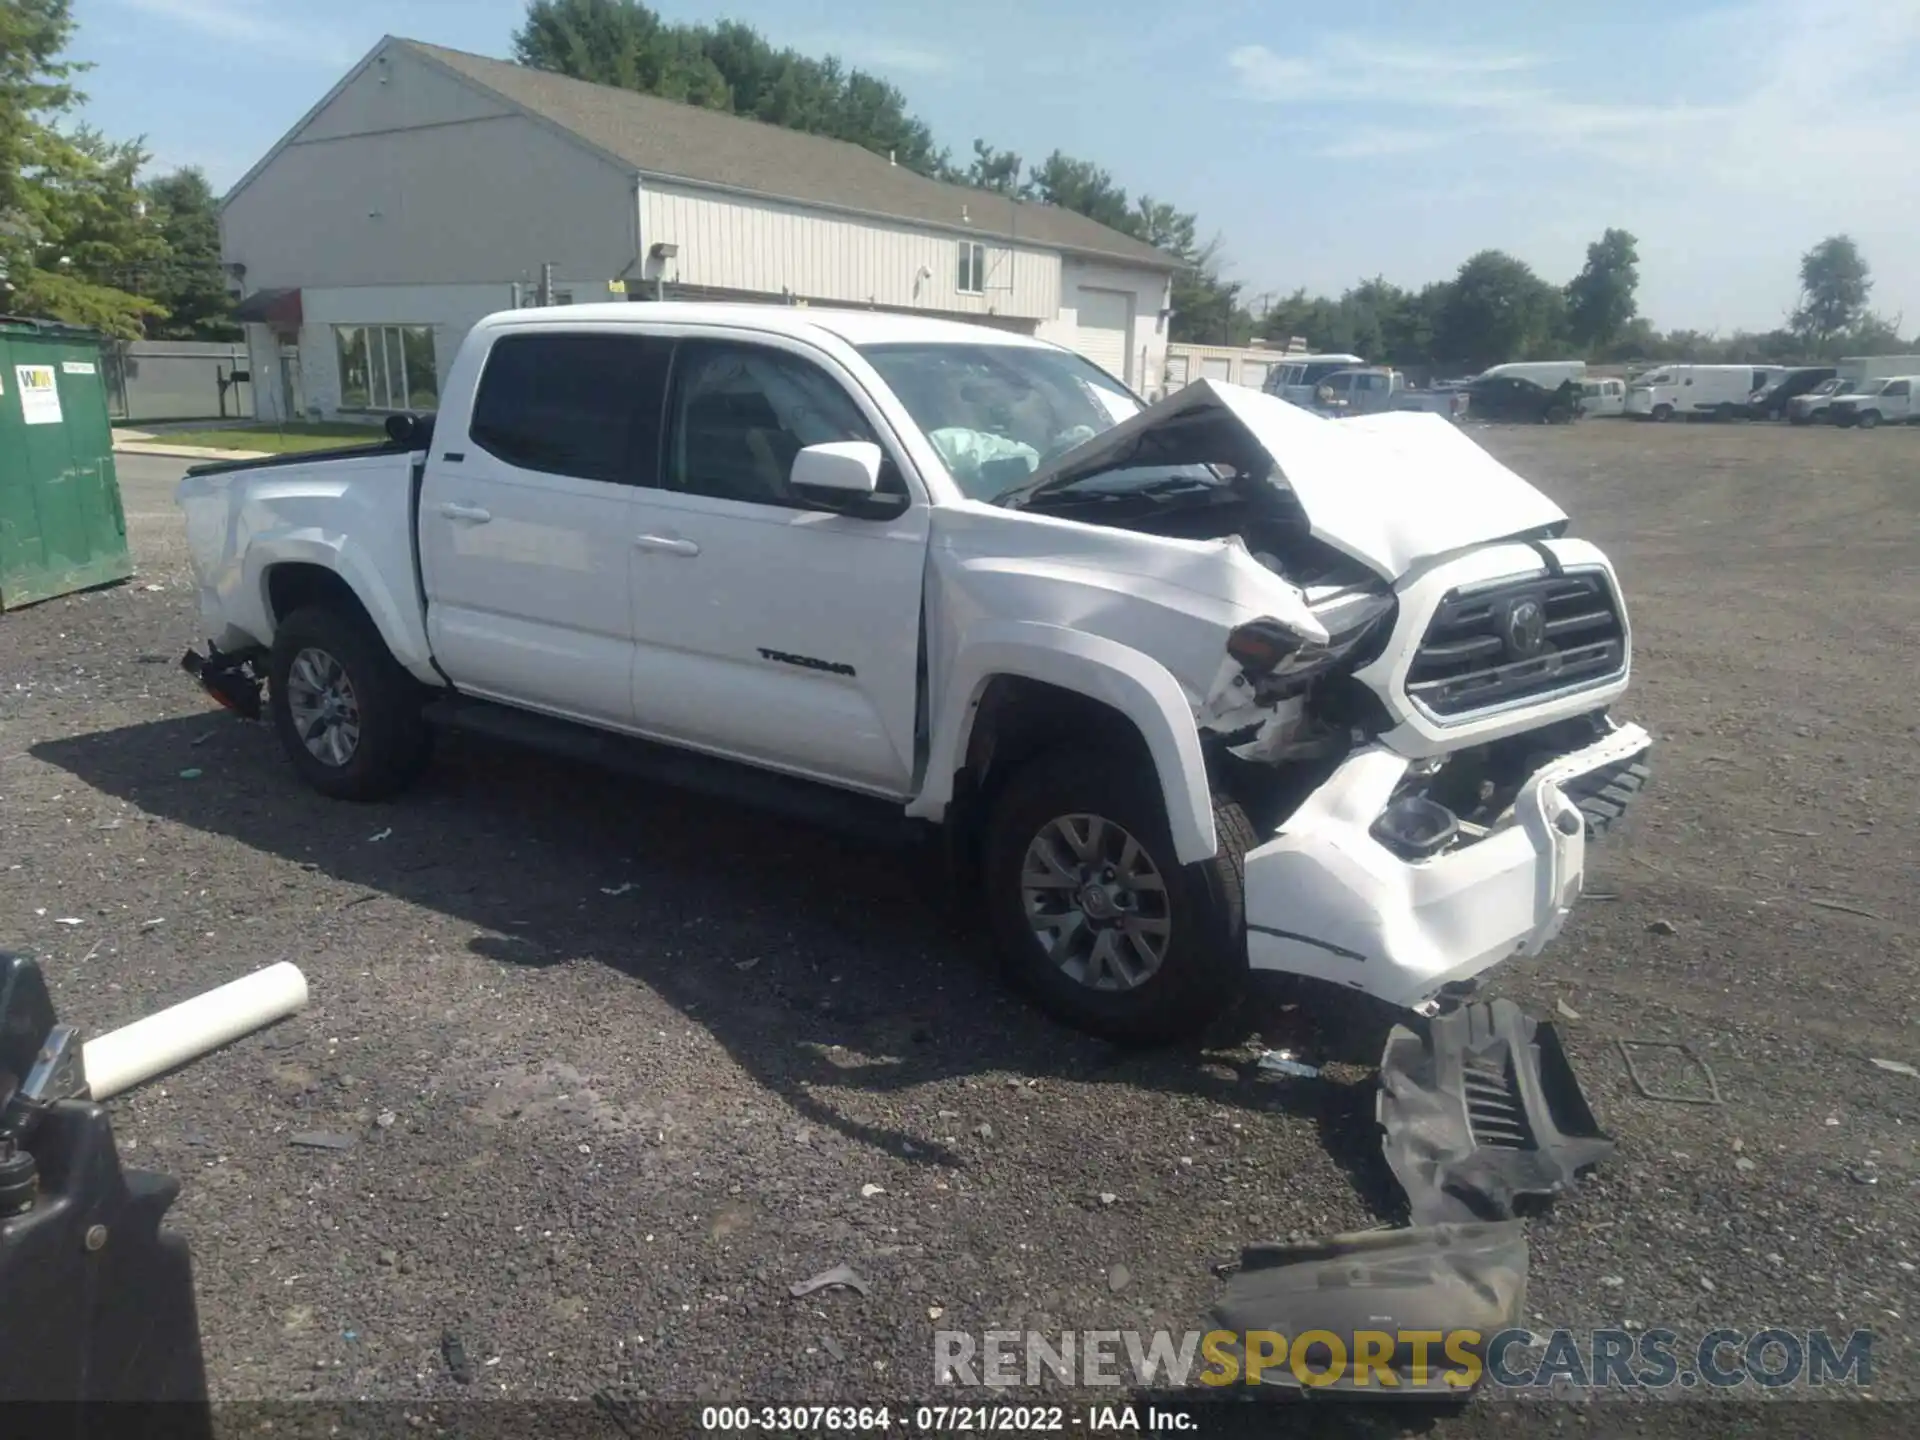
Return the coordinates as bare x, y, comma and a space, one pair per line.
1418, 726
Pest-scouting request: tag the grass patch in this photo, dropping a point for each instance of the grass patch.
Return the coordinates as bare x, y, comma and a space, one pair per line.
276, 439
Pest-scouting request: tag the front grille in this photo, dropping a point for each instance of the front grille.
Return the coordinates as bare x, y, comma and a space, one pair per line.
1484, 648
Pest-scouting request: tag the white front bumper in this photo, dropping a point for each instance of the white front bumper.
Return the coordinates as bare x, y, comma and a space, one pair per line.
1327, 900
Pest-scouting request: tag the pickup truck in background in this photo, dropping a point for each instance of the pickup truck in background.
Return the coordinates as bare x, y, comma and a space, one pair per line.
1812, 406
1372, 390
1178, 689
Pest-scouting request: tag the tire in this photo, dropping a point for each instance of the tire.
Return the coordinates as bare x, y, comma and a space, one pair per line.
1663, 413
391, 744
1868, 419
1799, 419
1725, 413
1203, 962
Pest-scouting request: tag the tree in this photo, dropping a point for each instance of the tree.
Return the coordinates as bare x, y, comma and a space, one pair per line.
1834, 285
728, 66
33, 88
1600, 299
73, 234
1497, 309
619, 42
1081, 186
188, 278
1875, 335
996, 170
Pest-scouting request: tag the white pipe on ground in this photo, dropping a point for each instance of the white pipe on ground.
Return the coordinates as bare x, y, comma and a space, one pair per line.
134, 1053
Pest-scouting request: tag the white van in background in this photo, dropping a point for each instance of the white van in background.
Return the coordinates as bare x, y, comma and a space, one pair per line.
1878, 402
1295, 377
1717, 391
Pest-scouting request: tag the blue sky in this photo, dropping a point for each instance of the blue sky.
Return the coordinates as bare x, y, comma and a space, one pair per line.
1324, 142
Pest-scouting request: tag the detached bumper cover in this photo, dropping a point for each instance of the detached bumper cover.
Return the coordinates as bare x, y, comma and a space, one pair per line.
1325, 899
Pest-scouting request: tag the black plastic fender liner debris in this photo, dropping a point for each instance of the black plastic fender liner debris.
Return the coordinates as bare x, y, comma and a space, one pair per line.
1483, 1115
1360, 1287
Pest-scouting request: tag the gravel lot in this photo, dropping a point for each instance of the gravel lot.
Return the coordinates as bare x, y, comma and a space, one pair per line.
619, 1066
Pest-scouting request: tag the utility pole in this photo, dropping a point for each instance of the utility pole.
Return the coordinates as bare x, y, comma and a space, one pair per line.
546, 283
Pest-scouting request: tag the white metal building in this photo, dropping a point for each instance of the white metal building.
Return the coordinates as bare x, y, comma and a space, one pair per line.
431, 187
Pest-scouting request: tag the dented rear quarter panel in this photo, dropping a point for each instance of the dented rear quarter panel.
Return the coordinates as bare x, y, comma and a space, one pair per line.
353, 517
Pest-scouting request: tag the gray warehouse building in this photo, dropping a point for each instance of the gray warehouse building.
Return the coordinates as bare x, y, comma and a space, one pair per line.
430, 187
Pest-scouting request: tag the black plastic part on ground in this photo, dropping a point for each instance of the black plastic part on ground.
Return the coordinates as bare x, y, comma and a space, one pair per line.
1484, 1119
96, 1300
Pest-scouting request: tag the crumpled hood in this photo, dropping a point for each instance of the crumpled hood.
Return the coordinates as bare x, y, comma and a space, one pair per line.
1389, 490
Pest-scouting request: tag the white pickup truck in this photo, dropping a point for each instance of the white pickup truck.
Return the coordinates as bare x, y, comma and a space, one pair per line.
1182, 689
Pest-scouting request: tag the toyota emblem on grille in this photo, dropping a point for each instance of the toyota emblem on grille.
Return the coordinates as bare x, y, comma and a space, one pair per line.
1526, 629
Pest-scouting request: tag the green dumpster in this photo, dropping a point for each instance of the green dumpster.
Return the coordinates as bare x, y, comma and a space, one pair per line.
61, 525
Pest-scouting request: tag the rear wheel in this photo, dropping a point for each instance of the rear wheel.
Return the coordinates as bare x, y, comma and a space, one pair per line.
347, 715
1092, 913
1663, 413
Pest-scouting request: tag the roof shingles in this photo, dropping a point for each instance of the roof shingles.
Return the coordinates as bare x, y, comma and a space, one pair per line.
668, 140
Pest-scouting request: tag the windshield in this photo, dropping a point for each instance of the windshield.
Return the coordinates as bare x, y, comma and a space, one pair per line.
996, 413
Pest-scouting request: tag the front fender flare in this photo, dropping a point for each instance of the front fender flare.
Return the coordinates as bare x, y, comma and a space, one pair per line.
1136, 685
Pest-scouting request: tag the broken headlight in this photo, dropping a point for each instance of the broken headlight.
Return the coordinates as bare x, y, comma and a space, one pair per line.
1280, 662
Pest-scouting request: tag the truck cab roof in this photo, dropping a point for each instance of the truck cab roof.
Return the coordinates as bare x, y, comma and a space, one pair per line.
854, 327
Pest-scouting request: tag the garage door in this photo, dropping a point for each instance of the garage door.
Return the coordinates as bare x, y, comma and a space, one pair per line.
1106, 317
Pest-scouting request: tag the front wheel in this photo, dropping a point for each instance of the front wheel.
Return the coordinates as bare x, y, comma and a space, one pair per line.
1868, 419
347, 715
1663, 413
1092, 913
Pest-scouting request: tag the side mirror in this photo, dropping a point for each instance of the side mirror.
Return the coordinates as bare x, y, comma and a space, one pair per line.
412, 432
846, 478
838, 470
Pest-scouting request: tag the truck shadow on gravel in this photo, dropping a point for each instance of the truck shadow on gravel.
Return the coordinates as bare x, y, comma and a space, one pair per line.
818, 963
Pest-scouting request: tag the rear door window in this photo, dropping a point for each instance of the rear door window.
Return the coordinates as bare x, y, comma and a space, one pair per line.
581, 404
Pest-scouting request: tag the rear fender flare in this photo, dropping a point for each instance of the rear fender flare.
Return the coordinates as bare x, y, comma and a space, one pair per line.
1127, 681
395, 616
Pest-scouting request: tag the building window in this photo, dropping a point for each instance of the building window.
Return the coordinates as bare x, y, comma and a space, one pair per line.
973, 267
386, 367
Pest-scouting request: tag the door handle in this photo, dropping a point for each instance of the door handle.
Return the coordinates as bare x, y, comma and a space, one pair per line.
473, 514
666, 545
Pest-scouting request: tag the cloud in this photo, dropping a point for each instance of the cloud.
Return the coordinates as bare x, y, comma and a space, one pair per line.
1368, 142
1758, 128
253, 25
873, 52
1800, 72
1348, 69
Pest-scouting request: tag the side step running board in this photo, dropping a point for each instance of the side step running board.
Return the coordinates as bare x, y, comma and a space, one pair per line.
803, 800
